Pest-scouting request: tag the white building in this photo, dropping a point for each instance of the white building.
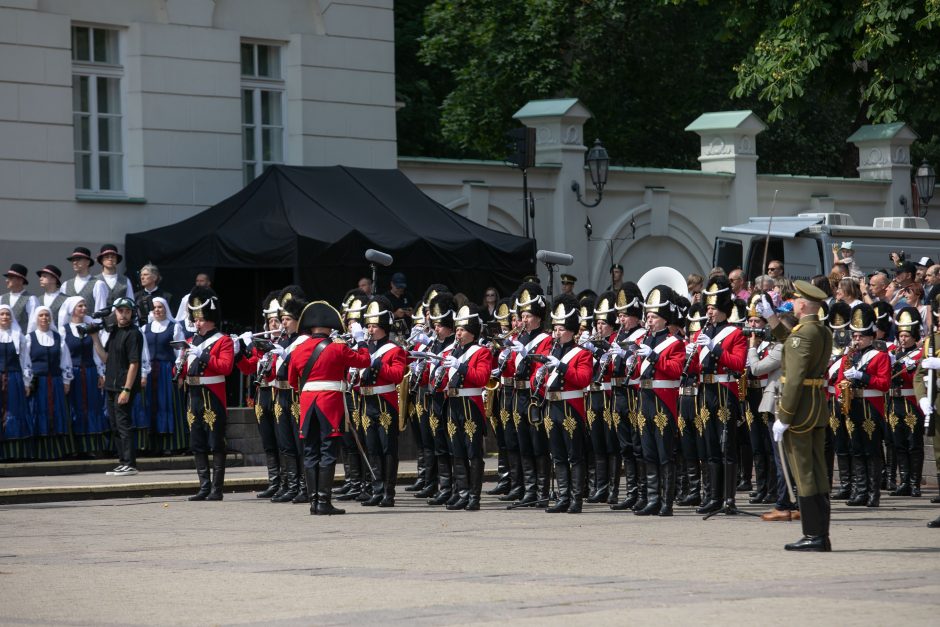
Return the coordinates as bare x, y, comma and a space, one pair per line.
118, 116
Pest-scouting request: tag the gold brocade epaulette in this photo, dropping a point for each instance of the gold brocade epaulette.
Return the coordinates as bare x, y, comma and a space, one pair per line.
796, 328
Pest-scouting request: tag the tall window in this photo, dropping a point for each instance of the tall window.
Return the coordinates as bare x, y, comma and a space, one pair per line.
97, 109
262, 108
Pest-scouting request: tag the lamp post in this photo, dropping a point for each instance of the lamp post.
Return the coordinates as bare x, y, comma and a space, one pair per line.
926, 179
597, 162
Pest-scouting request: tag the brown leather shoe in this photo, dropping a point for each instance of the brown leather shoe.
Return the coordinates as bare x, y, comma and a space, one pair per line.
795, 514
776, 515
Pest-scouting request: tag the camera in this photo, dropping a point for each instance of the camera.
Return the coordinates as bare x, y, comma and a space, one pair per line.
760, 334
104, 320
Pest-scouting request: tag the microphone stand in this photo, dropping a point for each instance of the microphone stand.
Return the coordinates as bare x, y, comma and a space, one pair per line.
372, 265
551, 280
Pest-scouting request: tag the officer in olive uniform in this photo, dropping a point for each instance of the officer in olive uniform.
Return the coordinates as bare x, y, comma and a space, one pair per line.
802, 414
927, 368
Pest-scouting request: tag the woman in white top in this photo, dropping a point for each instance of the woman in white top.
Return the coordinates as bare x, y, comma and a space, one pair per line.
16, 427
48, 378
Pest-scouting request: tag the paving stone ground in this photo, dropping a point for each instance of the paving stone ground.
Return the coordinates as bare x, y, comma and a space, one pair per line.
156, 561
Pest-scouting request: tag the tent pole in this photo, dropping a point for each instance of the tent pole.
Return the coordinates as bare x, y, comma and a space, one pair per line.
525, 201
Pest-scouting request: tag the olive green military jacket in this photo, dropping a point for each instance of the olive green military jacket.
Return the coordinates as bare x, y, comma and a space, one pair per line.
920, 376
806, 351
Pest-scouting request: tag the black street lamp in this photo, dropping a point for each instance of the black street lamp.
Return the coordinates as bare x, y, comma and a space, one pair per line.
597, 162
926, 179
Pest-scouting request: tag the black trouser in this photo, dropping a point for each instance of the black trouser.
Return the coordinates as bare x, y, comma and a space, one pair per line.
565, 433
689, 437
284, 426
380, 421
206, 416
466, 428
866, 428
533, 441
907, 425
720, 413
267, 423
119, 415
321, 442
840, 435
598, 411
658, 430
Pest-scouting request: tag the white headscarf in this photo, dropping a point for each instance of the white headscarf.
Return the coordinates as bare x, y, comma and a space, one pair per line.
14, 325
65, 312
34, 318
158, 326
13, 334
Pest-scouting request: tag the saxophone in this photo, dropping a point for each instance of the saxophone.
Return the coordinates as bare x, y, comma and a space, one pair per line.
845, 386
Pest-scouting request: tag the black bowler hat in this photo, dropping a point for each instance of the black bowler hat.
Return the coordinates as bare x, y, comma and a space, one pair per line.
109, 249
51, 269
19, 271
81, 252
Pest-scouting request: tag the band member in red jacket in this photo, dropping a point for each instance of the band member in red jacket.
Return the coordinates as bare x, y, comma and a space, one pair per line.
722, 357
661, 357
865, 374
378, 388
318, 369
468, 370
904, 417
560, 381
208, 360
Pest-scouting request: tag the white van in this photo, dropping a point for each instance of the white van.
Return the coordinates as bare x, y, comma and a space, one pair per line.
804, 243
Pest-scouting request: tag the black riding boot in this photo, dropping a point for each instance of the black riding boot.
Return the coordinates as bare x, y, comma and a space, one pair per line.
613, 469
654, 502
302, 495
391, 479
476, 483
904, 473
516, 480
631, 494
668, 471
218, 476
917, 469
291, 484
205, 481
422, 463
760, 473
874, 484
746, 467
324, 491
601, 480
445, 481
730, 487
577, 485
503, 478
814, 517
859, 481
693, 472
713, 502
641, 488
844, 462
274, 475
354, 469
563, 478
313, 484
378, 484
890, 468
461, 485
543, 481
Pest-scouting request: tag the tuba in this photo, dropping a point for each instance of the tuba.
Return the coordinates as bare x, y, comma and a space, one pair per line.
664, 275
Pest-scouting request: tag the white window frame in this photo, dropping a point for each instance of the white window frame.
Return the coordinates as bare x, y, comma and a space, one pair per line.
256, 85
93, 70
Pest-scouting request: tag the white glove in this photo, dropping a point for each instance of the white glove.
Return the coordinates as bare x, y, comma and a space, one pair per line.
245, 337
236, 344
616, 350
779, 428
420, 337
644, 351
764, 308
494, 373
552, 361
853, 374
690, 348
925, 407
589, 346
584, 337
358, 334
504, 354
279, 350
450, 362
892, 357
908, 362
195, 351
931, 363
518, 347
704, 341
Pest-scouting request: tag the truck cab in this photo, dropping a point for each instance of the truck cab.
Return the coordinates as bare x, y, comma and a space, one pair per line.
804, 243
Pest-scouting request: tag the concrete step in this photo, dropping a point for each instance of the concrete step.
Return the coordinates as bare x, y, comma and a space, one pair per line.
93, 466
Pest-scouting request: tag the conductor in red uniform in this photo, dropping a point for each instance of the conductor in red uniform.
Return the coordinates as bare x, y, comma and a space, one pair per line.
317, 369
206, 363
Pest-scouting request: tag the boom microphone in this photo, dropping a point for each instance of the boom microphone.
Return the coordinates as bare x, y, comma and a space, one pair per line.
375, 256
558, 259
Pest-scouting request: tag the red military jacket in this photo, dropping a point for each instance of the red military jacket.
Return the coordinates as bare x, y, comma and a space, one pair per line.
905, 380
391, 372
509, 370
332, 365
221, 362
448, 347
248, 365
668, 367
731, 354
877, 376
477, 373
578, 373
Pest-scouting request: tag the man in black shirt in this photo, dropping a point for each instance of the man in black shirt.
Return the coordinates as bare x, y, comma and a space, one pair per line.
402, 302
121, 355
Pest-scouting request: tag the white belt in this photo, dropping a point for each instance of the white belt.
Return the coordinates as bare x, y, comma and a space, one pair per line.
205, 380
654, 384
453, 392
325, 386
633, 382
718, 378
281, 385
564, 396
604, 386
871, 393
372, 390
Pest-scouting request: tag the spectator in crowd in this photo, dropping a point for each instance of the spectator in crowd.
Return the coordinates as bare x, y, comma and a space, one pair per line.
737, 284
716, 272
922, 265
490, 300
775, 269
460, 299
875, 289
845, 254
182, 313
402, 302
694, 283
932, 277
840, 270
16, 426
149, 289
365, 284
903, 277
822, 282
848, 292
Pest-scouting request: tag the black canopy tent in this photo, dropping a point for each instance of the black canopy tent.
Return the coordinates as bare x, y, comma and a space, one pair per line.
312, 225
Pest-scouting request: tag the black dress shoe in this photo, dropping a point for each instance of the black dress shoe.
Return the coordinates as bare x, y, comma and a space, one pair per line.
818, 544
652, 509
372, 501
935, 523
709, 507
